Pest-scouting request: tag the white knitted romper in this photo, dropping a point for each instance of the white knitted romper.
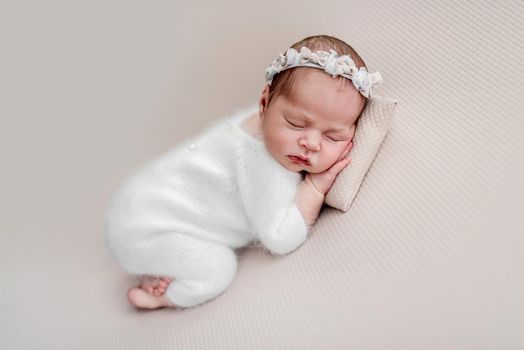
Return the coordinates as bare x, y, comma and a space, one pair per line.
184, 213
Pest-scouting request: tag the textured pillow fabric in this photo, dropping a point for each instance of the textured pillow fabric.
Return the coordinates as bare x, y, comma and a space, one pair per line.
371, 130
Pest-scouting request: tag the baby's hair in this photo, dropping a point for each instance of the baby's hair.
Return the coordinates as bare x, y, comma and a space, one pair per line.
284, 81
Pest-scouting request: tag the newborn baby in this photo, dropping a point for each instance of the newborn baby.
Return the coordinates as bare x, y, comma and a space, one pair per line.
257, 176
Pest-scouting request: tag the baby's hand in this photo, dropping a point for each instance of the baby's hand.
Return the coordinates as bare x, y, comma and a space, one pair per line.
323, 181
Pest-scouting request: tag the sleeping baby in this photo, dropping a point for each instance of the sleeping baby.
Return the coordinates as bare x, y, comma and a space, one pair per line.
259, 176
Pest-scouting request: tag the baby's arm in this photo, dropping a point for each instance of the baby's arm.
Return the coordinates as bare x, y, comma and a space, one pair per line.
311, 191
279, 205
268, 192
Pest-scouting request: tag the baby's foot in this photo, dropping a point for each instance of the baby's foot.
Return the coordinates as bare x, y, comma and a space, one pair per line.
155, 286
143, 300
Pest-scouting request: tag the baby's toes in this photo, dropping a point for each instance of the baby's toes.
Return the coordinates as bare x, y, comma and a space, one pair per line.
146, 282
154, 282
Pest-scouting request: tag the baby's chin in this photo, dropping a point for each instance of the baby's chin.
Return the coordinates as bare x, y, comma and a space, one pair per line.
308, 169
316, 171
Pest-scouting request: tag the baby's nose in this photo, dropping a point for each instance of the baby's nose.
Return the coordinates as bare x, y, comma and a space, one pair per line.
311, 142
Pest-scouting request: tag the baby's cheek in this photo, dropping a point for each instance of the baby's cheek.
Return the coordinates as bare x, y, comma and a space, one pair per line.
352, 132
335, 153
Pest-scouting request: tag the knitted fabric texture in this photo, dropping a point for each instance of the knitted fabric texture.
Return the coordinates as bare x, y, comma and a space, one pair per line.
221, 186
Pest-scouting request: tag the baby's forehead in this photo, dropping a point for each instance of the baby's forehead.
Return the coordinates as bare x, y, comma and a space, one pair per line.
320, 94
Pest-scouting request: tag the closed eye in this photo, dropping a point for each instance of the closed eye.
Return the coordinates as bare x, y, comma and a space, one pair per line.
335, 139
294, 125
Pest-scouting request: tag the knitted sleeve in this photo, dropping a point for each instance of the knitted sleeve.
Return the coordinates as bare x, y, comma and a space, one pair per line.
268, 192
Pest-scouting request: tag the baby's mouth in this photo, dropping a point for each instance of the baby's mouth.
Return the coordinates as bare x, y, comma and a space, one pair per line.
301, 160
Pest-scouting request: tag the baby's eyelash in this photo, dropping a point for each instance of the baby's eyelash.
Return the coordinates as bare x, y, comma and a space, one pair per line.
296, 126
334, 139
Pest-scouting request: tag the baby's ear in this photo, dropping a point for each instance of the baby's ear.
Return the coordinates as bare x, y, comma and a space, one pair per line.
263, 101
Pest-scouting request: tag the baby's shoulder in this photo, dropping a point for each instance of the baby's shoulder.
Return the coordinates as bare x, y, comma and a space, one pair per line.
242, 128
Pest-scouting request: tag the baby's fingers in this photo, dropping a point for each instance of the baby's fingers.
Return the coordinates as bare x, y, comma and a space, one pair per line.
341, 164
346, 151
350, 146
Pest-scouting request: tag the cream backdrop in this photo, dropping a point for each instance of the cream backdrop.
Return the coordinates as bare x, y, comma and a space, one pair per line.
428, 255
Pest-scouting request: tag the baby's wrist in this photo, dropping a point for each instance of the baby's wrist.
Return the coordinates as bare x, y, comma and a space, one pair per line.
309, 201
311, 184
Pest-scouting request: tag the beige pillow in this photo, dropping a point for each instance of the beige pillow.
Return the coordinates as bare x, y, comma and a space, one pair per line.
371, 130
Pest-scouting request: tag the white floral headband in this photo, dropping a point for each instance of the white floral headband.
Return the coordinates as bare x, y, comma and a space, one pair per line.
330, 62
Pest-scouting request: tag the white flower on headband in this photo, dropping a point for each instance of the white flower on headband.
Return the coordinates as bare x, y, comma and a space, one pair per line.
361, 80
330, 62
331, 65
292, 58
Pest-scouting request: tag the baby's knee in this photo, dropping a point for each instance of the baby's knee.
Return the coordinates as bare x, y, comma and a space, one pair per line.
211, 277
221, 268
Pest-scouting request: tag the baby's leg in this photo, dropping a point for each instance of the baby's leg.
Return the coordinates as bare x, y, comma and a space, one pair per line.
200, 270
209, 269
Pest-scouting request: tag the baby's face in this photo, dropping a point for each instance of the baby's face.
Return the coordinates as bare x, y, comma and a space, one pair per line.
310, 129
